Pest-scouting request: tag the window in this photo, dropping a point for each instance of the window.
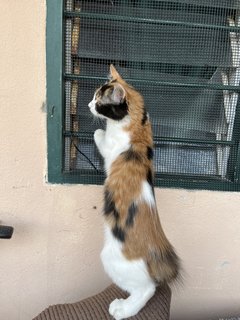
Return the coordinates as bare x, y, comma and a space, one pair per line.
184, 57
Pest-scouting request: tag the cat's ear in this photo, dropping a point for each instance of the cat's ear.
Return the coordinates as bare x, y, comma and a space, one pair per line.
118, 93
113, 72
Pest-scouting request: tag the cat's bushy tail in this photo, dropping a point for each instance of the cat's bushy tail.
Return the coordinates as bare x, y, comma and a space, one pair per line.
164, 264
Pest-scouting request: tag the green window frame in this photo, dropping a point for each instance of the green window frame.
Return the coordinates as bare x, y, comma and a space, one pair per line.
56, 133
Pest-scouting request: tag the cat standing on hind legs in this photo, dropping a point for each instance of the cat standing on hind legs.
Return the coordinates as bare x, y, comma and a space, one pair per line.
136, 255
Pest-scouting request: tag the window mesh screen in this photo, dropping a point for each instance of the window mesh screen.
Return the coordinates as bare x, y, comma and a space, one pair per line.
183, 56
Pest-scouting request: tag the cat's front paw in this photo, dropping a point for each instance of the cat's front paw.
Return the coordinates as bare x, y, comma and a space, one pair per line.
116, 309
98, 136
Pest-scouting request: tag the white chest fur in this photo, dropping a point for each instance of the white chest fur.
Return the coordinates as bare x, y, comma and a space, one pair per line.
112, 142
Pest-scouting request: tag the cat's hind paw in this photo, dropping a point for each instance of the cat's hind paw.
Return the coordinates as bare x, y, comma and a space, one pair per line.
116, 309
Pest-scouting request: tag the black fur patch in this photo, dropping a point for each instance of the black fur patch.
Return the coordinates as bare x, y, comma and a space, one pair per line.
131, 155
144, 117
167, 258
170, 257
132, 211
104, 88
109, 205
150, 180
118, 233
149, 153
113, 111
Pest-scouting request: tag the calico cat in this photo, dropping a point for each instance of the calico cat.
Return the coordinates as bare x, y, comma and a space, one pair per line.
136, 254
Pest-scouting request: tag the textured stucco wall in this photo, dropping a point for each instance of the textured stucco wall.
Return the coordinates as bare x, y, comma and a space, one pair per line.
54, 253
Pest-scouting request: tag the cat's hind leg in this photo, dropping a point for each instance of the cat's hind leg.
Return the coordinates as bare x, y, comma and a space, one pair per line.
124, 308
130, 275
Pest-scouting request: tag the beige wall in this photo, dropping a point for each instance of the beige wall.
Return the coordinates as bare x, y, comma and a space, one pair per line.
54, 253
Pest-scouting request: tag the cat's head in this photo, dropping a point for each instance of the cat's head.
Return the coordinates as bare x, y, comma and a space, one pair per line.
110, 100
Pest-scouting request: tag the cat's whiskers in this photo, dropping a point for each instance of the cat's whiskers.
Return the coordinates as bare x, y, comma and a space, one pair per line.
97, 121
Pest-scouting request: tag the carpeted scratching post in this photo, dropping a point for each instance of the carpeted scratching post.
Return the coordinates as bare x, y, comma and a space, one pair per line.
96, 307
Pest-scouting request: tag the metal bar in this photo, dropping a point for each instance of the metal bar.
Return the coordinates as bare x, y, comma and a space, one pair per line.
54, 88
230, 99
68, 84
185, 176
205, 72
170, 181
237, 168
89, 135
193, 141
234, 170
210, 86
200, 183
148, 21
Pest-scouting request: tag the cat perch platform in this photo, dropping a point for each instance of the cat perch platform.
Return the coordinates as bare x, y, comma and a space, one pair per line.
96, 307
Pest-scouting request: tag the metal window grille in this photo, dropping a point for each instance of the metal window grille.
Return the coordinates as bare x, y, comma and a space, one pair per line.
184, 57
